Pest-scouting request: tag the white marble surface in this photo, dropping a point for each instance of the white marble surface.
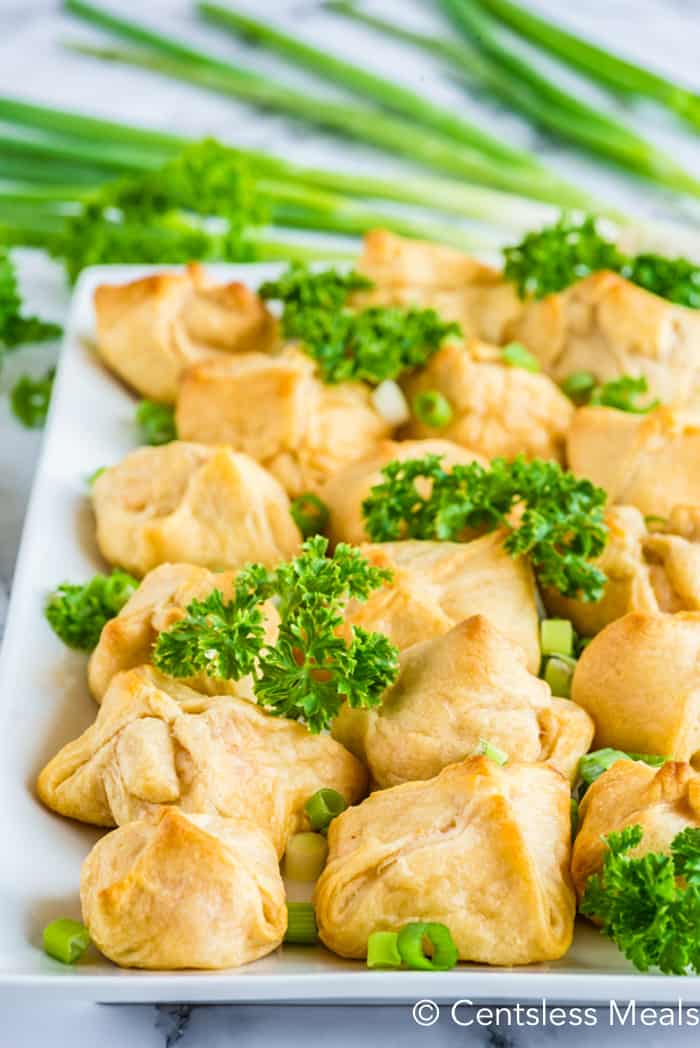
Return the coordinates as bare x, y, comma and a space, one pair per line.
33, 64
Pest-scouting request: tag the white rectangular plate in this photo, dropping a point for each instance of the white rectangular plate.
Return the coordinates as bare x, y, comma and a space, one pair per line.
44, 702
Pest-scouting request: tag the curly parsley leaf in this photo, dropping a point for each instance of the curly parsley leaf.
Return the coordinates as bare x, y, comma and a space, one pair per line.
371, 345
559, 521
553, 258
310, 670
15, 327
199, 205
675, 279
78, 613
156, 422
219, 638
30, 399
650, 905
299, 288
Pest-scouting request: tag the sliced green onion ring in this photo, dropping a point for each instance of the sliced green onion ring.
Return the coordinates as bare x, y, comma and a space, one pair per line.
301, 924
322, 808
411, 944
66, 940
515, 355
579, 386
558, 673
432, 409
305, 856
310, 514
383, 950
557, 637
485, 749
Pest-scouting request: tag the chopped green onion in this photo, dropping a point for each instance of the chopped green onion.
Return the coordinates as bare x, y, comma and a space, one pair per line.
66, 940
515, 355
412, 941
305, 856
573, 809
558, 673
301, 924
156, 422
310, 514
94, 476
323, 807
390, 402
383, 950
651, 519
592, 765
557, 637
432, 409
485, 749
622, 394
579, 386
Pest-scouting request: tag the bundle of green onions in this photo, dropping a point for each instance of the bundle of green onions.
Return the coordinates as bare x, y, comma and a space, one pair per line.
94, 190
596, 62
447, 143
482, 57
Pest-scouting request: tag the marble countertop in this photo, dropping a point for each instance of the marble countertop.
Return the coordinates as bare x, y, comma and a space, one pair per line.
34, 65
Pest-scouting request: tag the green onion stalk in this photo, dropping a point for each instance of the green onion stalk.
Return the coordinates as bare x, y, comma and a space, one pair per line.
384, 93
483, 60
65, 158
557, 110
170, 57
596, 62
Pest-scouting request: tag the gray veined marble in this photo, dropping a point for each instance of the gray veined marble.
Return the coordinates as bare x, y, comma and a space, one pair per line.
32, 64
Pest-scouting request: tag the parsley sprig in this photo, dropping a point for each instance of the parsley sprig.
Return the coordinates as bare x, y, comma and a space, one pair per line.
310, 669
15, 327
78, 613
551, 516
165, 215
218, 637
373, 344
30, 399
553, 258
650, 905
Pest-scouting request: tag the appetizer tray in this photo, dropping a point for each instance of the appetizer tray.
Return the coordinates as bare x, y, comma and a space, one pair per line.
44, 702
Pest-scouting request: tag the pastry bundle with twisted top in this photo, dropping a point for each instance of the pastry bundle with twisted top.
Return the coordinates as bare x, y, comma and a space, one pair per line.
155, 743
470, 684
481, 848
151, 330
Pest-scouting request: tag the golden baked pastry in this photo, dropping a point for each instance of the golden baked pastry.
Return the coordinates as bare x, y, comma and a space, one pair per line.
346, 490
647, 570
279, 412
454, 690
648, 461
156, 742
608, 326
435, 585
496, 410
184, 891
639, 679
149, 330
415, 273
158, 604
209, 506
663, 801
481, 848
